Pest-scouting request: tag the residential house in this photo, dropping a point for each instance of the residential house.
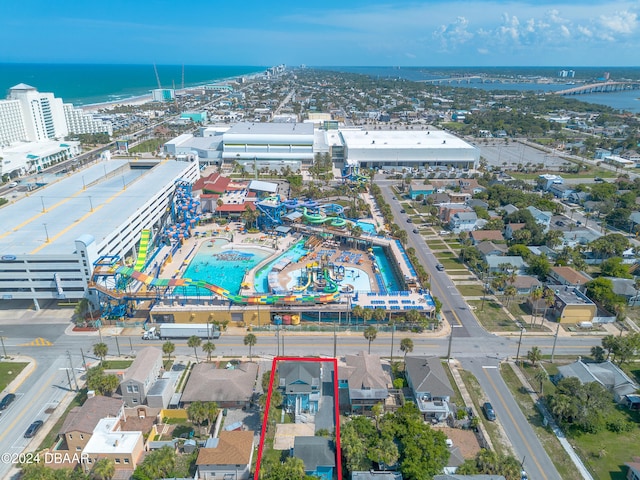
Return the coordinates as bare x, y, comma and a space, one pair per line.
510, 228
634, 219
447, 211
561, 191
489, 248
525, 284
625, 287
228, 387
541, 218
470, 186
602, 153
513, 263
580, 236
300, 383
318, 455
509, 209
541, 250
459, 197
578, 197
418, 187
476, 202
633, 472
228, 456
140, 376
376, 475
366, 382
430, 386
546, 181
608, 374
571, 305
463, 221
568, 276
161, 392
125, 449
439, 198
79, 424
478, 236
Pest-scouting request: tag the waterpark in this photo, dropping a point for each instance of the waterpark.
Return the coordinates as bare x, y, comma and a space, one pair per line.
280, 260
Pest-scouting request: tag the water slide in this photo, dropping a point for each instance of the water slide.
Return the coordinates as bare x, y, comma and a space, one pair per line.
318, 218
332, 286
325, 297
302, 288
142, 250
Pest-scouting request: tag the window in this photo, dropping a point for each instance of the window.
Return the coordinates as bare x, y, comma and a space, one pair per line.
126, 460
81, 436
70, 436
117, 461
129, 388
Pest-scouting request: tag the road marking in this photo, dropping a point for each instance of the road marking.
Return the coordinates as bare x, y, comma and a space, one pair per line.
38, 342
504, 404
489, 366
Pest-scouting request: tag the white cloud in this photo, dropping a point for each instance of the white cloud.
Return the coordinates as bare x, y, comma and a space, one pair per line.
620, 22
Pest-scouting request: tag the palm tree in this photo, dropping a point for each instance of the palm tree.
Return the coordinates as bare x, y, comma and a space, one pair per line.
534, 355
250, 340
103, 469
510, 292
535, 295
100, 350
209, 348
219, 203
540, 376
168, 348
406, 345
370, 333
549, 300
194, 342
356, 311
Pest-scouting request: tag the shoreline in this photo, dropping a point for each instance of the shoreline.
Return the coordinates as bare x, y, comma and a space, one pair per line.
148, 97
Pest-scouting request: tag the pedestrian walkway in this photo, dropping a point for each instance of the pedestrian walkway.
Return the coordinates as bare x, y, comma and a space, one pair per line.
551, 421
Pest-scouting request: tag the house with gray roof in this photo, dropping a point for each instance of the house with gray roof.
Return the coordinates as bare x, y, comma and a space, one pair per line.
463, 221
229, 387
376, 475
580, 236
488, 248
541, 218
430, 386
514, 263
509, 209
606, 373
366, 382
140, 376
318, 455
300, 385
625, 287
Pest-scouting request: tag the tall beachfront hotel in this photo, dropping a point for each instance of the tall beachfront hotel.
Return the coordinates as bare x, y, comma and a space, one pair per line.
51, 239
33, 126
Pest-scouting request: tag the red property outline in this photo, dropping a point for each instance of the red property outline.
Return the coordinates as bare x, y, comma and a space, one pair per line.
336, 407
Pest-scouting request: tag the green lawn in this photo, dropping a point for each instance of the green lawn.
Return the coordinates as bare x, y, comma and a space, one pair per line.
435, 244
605, 452
52, 436
9, 371
470, 290
447, 254
457, 397
450, 262
558, 456
116, 364
148, 146
493, 318
520, 309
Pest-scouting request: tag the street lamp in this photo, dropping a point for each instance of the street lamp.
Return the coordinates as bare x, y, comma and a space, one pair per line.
46, 232
4, 350
522, 330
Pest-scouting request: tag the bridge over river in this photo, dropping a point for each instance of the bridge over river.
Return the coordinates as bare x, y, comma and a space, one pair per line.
602, 87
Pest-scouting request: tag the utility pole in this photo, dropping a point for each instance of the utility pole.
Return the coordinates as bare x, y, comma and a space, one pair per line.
522, 330
117, 345
4, 350
75, 380
84, 361
555, 339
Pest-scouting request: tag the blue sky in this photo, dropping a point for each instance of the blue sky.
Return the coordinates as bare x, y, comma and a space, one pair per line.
326, 32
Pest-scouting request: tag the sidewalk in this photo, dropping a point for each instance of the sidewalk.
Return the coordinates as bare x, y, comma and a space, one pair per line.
554, 426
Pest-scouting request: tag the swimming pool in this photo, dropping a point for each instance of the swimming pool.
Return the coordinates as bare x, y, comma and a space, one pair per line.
391, 282
222, 264
366, 227
356, 277
293, 254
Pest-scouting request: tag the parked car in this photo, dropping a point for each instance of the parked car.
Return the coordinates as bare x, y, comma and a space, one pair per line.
487, 408
7, 400
415, 230
409, 220
33, 429
403, 211
444, 232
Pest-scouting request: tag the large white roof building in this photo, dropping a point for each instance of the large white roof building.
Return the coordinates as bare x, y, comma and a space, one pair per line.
407, 148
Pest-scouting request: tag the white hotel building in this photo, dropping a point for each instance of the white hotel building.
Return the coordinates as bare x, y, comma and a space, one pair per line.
53, 236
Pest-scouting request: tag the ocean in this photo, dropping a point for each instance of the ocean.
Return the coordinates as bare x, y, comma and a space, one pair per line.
84, 84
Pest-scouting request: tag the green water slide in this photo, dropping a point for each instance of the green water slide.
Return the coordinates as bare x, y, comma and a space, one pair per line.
142, 250
332, 286
318, 218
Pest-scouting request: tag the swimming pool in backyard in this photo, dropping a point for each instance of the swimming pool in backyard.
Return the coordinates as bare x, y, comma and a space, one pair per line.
223, 264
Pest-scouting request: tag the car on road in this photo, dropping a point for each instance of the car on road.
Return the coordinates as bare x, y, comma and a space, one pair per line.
440, 267
33, 429
409, 220
403, 211
13, 184
415, 230
487, 408
7, 400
